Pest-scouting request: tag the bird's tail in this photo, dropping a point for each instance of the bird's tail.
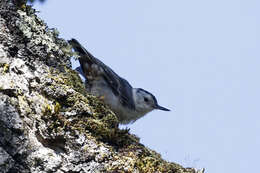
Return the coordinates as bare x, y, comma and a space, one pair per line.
77, 47
85, 58
83, 53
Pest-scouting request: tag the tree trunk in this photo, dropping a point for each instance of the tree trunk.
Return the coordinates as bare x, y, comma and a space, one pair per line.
48, 122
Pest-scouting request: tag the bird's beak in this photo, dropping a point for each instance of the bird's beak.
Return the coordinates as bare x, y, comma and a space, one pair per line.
161, 108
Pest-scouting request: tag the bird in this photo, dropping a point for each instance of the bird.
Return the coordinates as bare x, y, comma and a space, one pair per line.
128, 103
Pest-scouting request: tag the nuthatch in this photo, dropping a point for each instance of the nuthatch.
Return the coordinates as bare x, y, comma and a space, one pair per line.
128, 103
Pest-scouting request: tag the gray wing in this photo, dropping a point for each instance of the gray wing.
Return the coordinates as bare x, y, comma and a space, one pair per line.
120, 87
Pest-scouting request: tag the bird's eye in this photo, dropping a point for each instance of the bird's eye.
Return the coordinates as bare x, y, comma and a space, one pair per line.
146, 99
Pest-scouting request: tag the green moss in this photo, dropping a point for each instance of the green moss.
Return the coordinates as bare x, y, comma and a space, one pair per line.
23, 103
46, 110
57, 107
56, 122
69, 79
5, 67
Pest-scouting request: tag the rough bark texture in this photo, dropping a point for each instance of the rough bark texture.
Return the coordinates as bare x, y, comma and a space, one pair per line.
48, 122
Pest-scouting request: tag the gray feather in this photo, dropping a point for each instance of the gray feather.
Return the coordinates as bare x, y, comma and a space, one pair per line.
120, 87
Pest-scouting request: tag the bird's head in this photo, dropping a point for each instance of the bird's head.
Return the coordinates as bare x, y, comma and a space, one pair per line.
145, 101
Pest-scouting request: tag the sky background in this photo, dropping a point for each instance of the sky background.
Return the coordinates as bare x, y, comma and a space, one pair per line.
199, 58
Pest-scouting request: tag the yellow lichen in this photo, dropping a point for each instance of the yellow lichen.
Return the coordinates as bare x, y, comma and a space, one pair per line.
6, 68
57, 107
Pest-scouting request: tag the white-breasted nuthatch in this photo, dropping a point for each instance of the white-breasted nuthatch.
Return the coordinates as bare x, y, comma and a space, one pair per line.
128, 103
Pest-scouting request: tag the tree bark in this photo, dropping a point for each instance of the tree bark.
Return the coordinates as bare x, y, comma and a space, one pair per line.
48, 122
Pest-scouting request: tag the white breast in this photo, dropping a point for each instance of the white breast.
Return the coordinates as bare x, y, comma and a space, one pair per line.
100, 88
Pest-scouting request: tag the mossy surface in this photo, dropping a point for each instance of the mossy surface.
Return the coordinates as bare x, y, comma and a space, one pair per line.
96, 122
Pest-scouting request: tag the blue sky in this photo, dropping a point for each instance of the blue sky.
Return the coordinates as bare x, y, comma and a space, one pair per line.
199, 58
